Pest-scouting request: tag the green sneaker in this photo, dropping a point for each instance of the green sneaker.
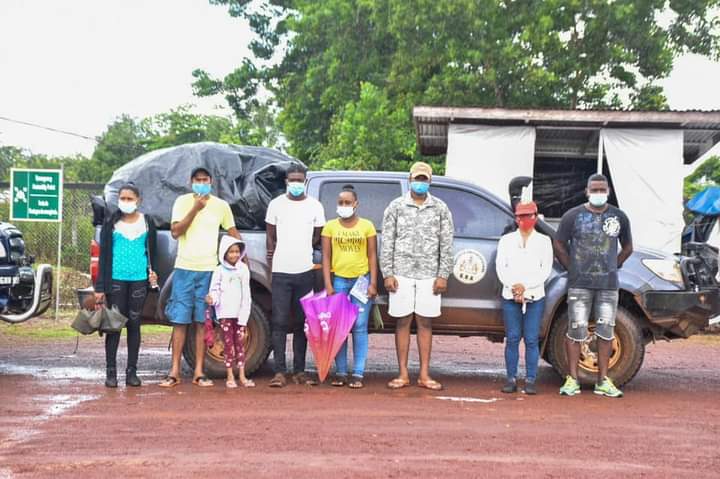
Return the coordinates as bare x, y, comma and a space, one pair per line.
607, 388
571, 387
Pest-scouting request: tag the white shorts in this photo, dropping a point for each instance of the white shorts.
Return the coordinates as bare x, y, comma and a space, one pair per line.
414, 296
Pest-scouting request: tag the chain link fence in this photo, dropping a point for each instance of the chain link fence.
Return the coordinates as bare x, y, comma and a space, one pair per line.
41, 239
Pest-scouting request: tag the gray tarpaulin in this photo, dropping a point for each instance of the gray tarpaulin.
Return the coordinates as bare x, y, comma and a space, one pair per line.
247, 177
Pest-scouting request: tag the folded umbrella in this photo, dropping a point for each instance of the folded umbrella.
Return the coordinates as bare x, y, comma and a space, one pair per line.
328, 321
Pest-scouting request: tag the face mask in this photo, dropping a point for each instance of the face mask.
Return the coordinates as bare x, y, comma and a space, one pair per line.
127, 207
526, 224
419, 187
598, 200
345, 212
296, 189
201, 189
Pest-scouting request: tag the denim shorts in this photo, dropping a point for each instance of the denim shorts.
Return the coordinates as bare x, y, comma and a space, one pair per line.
187, 299
602, 303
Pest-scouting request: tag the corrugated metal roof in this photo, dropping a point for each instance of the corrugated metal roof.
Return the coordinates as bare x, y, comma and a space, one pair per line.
567, 133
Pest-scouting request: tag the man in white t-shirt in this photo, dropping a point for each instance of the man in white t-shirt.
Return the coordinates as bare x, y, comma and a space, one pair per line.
294, 222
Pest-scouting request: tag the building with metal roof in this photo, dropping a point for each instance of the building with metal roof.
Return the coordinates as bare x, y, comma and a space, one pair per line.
644, 153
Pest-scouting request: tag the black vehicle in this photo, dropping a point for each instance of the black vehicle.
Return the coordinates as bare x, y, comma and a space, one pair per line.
24, 292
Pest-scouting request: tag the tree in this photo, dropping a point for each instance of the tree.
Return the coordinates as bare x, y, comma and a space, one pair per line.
313, 57
707, 174
369, 135
123, 141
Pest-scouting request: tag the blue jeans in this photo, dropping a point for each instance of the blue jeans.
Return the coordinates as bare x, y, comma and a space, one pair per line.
359, 331
527, 327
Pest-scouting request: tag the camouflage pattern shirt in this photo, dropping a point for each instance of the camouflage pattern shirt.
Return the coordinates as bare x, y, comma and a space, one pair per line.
417, 239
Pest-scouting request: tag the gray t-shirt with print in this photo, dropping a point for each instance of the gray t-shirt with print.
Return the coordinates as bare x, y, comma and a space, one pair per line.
592, 242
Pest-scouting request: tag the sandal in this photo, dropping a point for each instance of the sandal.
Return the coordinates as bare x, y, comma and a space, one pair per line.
203, 382
303, 378
398, 383
339, 380
248, 383
169, 382
430, 384
278, 381
230, 384
356, 383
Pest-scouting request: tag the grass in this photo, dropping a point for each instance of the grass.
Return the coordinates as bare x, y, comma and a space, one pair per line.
46, 328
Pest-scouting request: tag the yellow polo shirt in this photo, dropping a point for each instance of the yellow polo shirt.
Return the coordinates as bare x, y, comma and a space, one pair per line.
197, 248
349, 247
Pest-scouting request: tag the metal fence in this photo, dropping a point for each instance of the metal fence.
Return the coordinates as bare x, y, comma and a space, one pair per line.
41, 238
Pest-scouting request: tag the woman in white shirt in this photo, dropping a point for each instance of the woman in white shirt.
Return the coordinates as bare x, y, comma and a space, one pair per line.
524, 262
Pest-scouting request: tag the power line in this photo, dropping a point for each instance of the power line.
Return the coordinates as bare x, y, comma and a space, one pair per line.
55, 130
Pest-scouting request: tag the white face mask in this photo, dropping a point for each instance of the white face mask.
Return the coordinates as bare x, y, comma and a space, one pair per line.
598, 200
345, 212
127, 207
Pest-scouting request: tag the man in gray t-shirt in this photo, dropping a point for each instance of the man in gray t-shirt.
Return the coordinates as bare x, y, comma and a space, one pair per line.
586, 243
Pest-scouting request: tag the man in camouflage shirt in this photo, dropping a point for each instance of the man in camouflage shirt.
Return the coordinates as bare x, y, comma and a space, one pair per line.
416, 261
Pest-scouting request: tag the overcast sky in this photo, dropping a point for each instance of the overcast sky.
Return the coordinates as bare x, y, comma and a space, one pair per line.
77, 64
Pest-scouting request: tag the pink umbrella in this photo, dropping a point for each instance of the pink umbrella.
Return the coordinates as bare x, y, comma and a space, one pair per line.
328, 321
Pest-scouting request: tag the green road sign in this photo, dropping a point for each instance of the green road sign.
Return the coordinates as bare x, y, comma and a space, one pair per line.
36, 195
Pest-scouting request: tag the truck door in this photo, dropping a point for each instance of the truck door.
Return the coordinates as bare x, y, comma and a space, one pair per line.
472, 302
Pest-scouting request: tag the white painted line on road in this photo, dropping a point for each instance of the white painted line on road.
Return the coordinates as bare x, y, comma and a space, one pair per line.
467, 399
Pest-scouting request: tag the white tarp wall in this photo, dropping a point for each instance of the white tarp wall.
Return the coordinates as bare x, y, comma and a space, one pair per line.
647, 172
490, 156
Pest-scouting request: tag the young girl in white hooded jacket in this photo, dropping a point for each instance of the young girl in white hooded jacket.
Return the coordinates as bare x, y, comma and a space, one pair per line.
230, 296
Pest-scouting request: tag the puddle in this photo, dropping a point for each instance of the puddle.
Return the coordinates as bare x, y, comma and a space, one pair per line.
42, 372
467, 399
60, 403
55, 405
69, 372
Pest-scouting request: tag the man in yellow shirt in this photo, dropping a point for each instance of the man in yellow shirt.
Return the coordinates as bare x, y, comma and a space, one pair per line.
196, 220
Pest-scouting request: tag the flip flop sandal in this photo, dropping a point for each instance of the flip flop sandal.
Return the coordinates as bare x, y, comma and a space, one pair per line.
248, 384
169, 382
398, 383
203, 382
432, 385
230, 384
278, 382
356, 383
339, 381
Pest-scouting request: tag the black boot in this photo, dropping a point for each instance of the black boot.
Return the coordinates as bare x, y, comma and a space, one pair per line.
131, 378
111, 378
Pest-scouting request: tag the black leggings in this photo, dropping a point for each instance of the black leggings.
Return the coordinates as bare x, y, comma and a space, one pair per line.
129, 297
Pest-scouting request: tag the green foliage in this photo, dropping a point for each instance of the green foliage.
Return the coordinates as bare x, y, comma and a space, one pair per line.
369, 135
707, 174
313, 58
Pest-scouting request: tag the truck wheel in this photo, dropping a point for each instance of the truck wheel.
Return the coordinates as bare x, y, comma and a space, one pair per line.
627, 354
257, 345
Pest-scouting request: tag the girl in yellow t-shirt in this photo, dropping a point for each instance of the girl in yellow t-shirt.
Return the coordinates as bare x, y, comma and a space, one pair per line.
349, 246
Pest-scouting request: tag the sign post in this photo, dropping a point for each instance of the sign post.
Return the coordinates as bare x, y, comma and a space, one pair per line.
37, 195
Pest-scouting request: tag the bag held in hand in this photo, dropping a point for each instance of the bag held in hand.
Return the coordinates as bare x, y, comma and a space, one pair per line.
81, 324
111, 320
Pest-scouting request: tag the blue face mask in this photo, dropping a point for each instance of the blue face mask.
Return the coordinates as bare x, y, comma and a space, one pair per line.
419, 187
296, 189
201, 189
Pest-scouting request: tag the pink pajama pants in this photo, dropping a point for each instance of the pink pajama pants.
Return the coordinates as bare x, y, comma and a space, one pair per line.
234, 340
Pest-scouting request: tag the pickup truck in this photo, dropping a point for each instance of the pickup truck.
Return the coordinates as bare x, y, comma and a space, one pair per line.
661, 296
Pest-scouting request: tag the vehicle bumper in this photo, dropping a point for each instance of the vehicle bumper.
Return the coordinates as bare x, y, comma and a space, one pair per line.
42, 296
682, 313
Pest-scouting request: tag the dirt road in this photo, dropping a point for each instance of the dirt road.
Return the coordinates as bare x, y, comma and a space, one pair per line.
57, 420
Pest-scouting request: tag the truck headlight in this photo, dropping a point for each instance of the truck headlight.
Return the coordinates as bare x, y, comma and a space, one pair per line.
669, 270
3, 253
